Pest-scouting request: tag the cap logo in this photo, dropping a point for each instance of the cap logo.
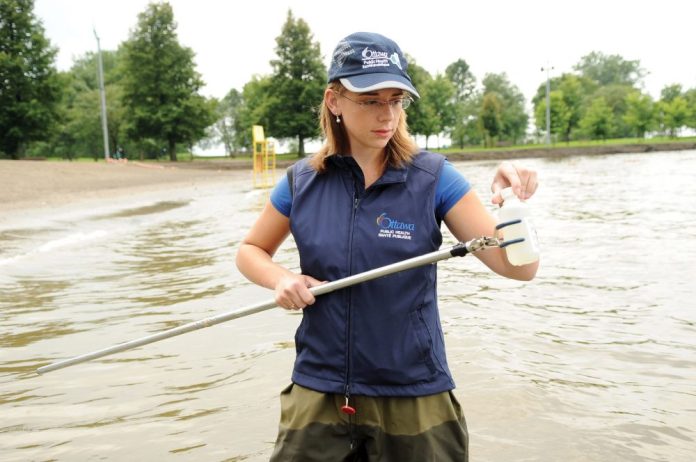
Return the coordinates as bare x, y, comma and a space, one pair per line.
394, 58
374, 58
343, 50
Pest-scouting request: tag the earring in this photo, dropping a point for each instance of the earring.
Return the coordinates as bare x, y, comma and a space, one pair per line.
338, 119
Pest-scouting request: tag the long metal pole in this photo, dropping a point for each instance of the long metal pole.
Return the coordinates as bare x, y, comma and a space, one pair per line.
458, 250
100, 75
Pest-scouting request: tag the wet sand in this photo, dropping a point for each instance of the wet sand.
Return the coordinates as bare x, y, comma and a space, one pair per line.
37, 184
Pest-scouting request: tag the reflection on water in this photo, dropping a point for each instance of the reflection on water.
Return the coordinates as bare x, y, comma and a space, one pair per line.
159, 207
594, 360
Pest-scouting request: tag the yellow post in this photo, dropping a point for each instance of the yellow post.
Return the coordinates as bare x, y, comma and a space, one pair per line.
264, 159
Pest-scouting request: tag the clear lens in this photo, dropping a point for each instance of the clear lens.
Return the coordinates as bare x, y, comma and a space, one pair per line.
375, 105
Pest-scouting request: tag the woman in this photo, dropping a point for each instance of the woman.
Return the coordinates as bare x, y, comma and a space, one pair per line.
370, 380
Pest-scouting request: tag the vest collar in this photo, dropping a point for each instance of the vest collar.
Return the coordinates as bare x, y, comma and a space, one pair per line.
348, 163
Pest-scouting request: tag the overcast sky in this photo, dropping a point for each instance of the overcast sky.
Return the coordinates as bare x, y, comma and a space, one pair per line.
234, 40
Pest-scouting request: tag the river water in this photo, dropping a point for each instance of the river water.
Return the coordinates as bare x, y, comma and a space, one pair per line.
594, 360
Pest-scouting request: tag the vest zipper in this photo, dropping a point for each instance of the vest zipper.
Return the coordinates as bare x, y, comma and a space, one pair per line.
347, 408
349, 321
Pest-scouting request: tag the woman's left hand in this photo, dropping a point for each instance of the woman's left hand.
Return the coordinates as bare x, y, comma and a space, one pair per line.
523, 181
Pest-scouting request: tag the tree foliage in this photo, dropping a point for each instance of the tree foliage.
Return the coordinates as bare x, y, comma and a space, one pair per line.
29, 84
570, 91
559, 112
440, 94
228, 113
154, 105
491, 117
674, 115
690, 97
599, 76
610, 69
670, 92
597, 122
435, 112
640, 113
513, 116
464, 82
298, 83
160, 87
462, 78
254, 109
421, 115
80, 129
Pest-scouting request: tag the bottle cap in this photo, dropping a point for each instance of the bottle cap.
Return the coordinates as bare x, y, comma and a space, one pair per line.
507, 193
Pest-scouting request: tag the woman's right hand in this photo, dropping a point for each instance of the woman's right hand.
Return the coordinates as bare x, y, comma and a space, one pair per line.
292, 291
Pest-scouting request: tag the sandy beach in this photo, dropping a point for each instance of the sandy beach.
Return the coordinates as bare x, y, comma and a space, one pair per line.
35, 184
38, 184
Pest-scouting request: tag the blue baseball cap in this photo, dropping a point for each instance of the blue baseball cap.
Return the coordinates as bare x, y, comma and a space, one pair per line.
366, 61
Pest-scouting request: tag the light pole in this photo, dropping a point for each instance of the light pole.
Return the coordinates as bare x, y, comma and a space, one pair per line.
100, 75
548, 103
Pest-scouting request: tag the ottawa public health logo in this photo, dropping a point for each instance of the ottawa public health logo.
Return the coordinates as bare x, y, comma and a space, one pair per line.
390, 228
384, 222
375, 58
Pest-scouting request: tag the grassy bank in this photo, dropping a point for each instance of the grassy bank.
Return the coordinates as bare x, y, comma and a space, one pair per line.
574, 148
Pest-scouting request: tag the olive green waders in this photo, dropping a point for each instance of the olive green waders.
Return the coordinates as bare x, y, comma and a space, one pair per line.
383, 429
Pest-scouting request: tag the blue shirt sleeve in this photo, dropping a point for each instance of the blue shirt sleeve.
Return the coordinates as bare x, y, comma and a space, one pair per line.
281, 197
451, 187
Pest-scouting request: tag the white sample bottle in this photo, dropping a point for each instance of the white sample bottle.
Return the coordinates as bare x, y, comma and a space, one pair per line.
524, 252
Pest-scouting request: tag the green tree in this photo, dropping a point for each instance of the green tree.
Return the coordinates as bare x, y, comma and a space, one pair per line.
673, 110
228, 112
83, 127
462, 78
464, 83
29, 84
560, 114
161, 85
299, 79
675, 115
597, 122
421, 116
80, 131
615, 95
438, 97
610, 69
466, 128
491, 117
690, 96
254, 109
671, 92
573, 90
223, 131
513, 116
640, 113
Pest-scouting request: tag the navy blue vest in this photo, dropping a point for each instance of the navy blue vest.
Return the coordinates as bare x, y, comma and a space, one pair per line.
382, 337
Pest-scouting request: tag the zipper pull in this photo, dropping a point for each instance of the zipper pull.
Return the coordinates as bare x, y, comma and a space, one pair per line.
347, 408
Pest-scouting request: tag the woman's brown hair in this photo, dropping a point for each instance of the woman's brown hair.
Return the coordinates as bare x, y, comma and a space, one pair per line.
399, 151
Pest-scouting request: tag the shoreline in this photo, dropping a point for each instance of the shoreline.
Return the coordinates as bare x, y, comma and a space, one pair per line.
557, 151
570, 151
35, 184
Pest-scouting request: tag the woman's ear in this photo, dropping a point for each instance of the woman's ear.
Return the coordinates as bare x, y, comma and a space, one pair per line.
331, 100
